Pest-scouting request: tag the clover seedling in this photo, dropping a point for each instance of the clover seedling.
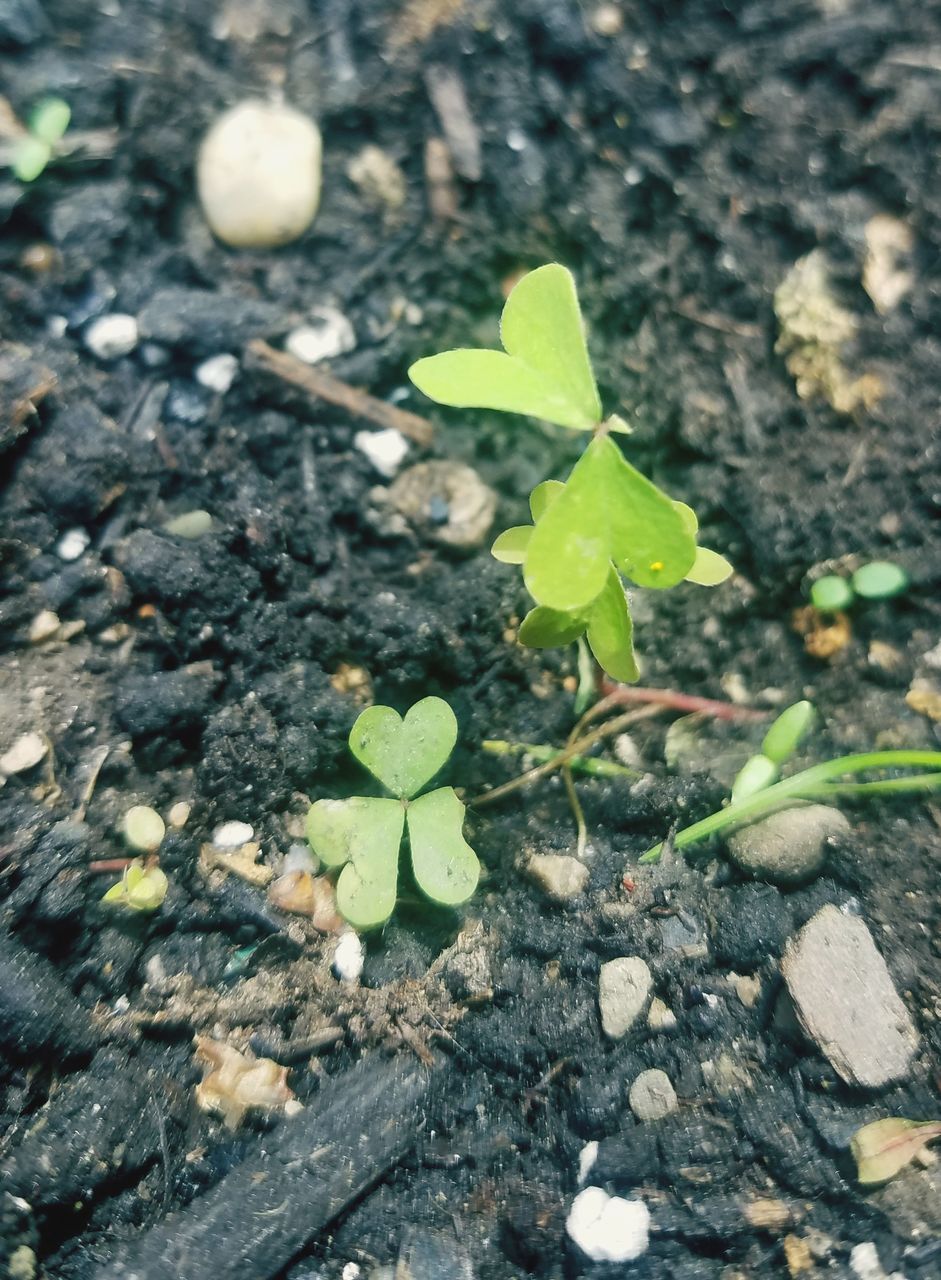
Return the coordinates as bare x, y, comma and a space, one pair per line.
607, 521
878, 580
35, 146
363, 834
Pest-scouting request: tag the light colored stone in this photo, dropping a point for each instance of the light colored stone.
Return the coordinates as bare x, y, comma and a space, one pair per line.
348, 957
866, 1264
179, 814
73, 544
218, 372
378, 177
386, 450
846, 1002
446, 501
258, 175
190, 525
110, 337
45, 626
652, 1095
27, 751
326, 334
623, 988
660, 1017
231, 835
607, 1228
748, 989
586, 1160
559, 876
789, 846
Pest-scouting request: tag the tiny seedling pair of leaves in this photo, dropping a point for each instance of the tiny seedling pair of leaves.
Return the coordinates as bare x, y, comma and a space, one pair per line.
363, 834
35, 148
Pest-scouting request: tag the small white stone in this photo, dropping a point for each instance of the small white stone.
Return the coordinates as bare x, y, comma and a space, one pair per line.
110, 337
299, 857
623, 987
660, 1017
351, 1272
179, 814
386, 450
866, 1264
232, 835
652, 1095
627, 751
44, 626
586, 1160
218, 372
25, 753
259, 173
327, 334
348, 957
560, 876
607, 1228
72, 544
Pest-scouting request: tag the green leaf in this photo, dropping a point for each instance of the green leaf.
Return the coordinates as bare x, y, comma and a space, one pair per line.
510, 546
782, 738
688, 516
709, 568
50, 119
883, 1149
30, 157
607, 511
141, 888
364, 834
405, 754
446, 867
755, 774
880, 580
831, 593
611, 632
544, 371
544, 628
543, 496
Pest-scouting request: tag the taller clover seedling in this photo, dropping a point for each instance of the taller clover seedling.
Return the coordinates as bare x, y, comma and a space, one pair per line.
607, 520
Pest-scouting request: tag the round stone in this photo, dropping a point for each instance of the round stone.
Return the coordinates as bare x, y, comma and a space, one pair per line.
789, 846
623, 990
258, 175
608, 1228
652, 1095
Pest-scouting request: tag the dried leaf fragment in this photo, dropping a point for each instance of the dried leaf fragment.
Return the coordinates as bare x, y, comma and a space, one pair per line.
236, 1082
305, 895
242, 862
822, 639
883, 1149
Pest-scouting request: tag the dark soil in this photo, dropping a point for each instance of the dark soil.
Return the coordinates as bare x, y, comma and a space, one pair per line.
679, 167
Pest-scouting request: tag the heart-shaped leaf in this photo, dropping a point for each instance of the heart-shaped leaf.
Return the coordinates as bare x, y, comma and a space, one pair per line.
606, 512
544, 370
544, 628
446, 867
510, 546
364, 834
405, 754
709, 568
543, 496
611, 632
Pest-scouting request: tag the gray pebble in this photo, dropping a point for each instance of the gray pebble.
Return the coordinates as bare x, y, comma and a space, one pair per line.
652, 1095
790, 846
623, 988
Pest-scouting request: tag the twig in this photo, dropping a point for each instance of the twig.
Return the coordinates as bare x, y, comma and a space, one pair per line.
626, 694
324, 386
109, 865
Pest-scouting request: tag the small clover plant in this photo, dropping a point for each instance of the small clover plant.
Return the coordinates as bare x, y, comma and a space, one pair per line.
878, 580
607, 521
363, 834
36, 146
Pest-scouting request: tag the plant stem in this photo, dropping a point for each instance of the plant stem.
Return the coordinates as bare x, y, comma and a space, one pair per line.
621, 694
541, 752
816, 783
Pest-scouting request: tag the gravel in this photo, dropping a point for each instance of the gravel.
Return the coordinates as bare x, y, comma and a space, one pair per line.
606, 1228
623, 988
790, 846
652, 1095
112, 336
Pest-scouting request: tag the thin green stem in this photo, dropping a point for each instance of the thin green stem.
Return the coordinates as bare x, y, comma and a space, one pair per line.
813, 783
540, 752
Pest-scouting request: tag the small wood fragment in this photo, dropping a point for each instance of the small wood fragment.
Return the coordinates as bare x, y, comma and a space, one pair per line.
449, 99
324, 386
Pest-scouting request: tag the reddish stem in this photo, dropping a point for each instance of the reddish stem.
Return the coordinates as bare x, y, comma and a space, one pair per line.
109, 865
687, 702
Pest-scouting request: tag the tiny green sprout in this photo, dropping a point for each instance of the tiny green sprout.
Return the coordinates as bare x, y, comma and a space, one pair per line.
36, 145
607, 521
142, 887
780, 743
878, 580
363, 834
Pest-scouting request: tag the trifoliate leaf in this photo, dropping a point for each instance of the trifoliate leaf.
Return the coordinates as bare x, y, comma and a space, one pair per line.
883, 1149
781, 740
141, 888
688, 516
757, 773
544, 628
607, 511
445, 866
611, 632
405, 754
510, 546
545, 371
709, 568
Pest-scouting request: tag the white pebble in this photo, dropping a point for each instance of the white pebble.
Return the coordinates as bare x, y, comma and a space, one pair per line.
259, 173
607, 1228
348, 957
72, 544
386, 450
110, 337
232, 835
299, 857
44, 626
25, 753
218, 372
586, 1160
179, 814
327, 334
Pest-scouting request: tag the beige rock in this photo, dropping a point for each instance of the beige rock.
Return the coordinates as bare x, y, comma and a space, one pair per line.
26, 753
623, 990
259, 174
560, 877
